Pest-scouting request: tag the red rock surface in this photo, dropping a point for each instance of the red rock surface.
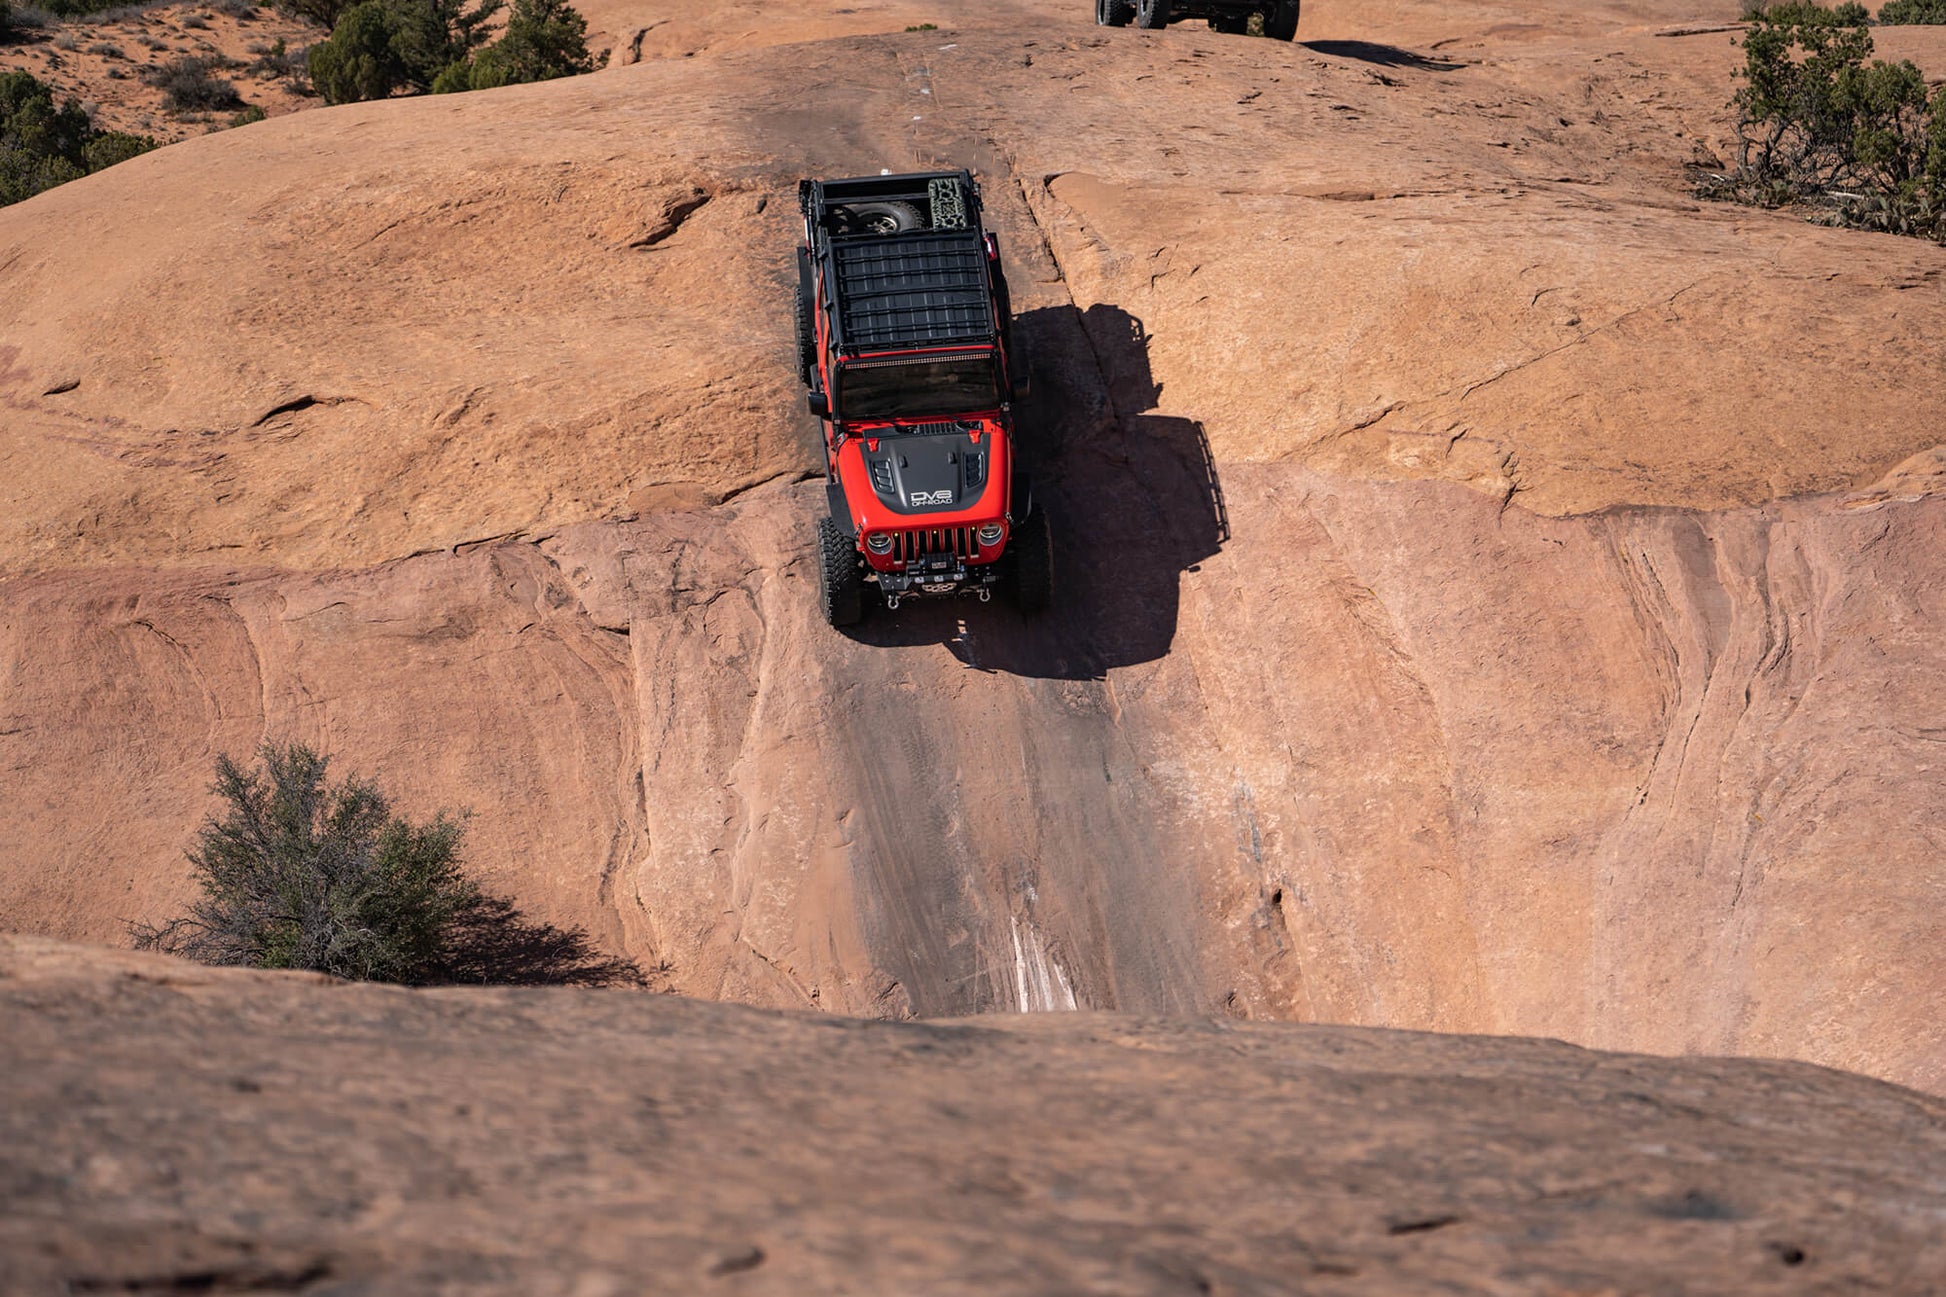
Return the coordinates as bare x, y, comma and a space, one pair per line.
1502, 592
169, 1128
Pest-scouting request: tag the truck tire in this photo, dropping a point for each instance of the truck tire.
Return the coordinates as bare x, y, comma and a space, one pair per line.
1152, 14
1113, 13
807, 334
1280, 20
1032, 549
841, 583
885, 218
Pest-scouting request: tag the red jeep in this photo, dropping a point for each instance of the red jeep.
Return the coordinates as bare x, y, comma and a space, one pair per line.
904, 339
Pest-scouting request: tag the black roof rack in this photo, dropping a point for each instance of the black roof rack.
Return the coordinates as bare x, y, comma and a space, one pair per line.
922, 289
929, 286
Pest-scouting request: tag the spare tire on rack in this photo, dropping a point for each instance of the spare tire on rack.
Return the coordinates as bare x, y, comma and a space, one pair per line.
1152, 14
882, 218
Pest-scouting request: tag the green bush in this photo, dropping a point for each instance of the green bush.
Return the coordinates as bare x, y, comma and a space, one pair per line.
361, 60
306, 874
43, 144
1896, 13
544, 39
382, 46
1817, 123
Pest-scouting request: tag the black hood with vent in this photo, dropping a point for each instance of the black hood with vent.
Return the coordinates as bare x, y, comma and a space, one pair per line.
929, 468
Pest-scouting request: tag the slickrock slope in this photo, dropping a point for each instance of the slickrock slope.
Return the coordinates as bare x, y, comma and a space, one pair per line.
1502, 595
170, 1128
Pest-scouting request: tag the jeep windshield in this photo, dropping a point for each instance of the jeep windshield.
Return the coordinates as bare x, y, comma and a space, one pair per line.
894, 389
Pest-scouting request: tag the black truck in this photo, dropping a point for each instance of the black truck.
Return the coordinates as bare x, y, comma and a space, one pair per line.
1233, 16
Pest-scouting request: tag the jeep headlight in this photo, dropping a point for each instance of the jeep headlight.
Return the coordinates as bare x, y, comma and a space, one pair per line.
879, 542
991, 532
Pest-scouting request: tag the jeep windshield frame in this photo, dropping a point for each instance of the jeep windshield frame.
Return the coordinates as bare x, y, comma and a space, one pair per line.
936, 385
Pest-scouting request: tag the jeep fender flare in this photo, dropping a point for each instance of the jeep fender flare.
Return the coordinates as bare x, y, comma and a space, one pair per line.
834, 499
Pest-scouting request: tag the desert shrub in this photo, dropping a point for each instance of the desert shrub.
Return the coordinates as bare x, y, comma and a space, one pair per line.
106, 148
43, 144
249, 115
544, 39
278, 60
360, 61
122, 13
304, 873
382, 46
90, 9
1912, 12
325, 13
188, 85
1818, 124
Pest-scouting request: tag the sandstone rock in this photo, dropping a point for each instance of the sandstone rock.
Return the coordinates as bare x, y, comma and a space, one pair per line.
1502, 592
171, 1128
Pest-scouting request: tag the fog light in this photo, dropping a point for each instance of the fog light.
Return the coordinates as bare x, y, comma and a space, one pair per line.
990, 533
879, 542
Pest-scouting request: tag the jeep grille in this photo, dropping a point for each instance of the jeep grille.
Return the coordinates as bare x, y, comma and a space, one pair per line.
922, 542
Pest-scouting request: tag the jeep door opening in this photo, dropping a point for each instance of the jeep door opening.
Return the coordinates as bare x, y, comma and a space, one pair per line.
904, 342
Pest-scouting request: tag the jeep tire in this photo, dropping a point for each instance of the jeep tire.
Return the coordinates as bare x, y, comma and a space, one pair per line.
1152, 14
839, 580
1280, 20
1032, 553
1114, 13
807, 336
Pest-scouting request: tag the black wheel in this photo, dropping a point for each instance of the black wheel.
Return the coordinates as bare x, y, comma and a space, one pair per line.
842, 584
1152, 14
1231, 24
1280, 20
1113, 13
807, 334
1032, 550
884, 218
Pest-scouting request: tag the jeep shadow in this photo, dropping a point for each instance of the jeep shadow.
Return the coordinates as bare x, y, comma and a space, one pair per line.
1133, 498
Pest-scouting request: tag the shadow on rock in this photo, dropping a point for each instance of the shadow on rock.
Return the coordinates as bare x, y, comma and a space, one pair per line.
1133, 498
494, 944
1385, 56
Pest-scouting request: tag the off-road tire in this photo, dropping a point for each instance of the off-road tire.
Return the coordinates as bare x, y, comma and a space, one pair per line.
885, 218
841, 583
1280, 20
1114, 13
807, 335
1152, 14
1032, 551
1231, 24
